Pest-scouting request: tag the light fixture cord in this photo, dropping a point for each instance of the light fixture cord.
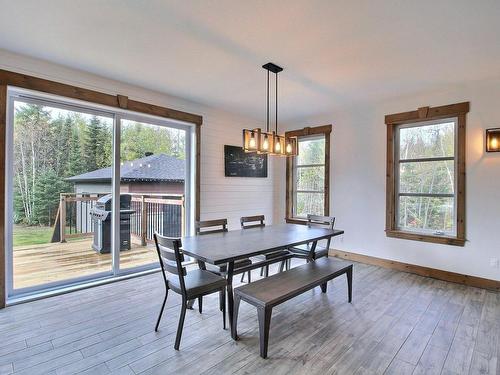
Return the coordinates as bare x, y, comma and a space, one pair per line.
267, 125
276, 103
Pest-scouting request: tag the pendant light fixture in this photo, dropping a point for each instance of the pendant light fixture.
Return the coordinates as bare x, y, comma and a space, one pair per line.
270, 142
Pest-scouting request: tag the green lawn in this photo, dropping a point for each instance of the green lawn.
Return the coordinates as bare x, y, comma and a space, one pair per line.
24, 235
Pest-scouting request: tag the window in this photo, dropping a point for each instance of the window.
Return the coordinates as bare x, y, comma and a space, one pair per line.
426, 186
308, 174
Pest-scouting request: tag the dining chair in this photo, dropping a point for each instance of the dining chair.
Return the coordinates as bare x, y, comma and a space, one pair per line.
190, 285
302, 251
220, 226
258, 221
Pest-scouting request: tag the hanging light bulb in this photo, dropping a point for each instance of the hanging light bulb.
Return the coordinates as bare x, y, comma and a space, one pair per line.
289, 148
265, 143
252, 143
277, 147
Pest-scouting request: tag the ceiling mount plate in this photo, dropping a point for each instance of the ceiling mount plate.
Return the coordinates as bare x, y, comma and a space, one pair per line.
272, 67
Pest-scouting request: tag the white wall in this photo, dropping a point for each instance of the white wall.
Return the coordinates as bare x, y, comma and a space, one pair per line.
221, 197
358, 182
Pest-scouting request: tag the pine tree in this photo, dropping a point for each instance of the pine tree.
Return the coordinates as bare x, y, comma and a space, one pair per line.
75, 165
91, 143
47, 190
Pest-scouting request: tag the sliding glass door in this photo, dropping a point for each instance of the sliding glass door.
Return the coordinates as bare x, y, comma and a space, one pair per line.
153, 167
67, 161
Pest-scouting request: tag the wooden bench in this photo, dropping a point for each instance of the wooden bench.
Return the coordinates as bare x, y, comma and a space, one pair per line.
271, 291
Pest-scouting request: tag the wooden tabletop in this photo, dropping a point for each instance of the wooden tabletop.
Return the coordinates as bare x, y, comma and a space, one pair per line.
226, 247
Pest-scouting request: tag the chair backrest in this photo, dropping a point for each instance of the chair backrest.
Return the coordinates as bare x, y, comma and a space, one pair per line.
327, 222
210, 226
258, 221
170, 257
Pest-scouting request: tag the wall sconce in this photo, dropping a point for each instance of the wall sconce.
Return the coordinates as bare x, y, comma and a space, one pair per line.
493, 140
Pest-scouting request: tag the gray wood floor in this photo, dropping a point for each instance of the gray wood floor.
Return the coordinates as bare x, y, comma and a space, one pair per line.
398, 323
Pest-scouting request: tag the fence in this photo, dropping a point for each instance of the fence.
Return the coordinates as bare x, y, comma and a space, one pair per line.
163, 213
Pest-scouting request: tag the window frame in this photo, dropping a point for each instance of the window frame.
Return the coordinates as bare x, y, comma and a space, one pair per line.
117, 116
308, 132
421, 117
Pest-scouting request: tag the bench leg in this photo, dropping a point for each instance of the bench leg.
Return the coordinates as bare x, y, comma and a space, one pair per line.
349, 282
237, 300
323, 287
264, 325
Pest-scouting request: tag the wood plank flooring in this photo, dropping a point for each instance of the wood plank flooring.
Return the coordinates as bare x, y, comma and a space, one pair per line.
398, 323
41, 264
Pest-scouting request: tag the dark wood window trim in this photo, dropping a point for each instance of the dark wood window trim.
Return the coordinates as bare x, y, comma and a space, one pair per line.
324, 130
392, 121
24, 81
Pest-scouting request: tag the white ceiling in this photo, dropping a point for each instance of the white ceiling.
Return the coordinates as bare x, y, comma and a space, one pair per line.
335, 53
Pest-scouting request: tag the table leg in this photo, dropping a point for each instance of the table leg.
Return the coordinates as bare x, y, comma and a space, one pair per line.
230, 299
311, 255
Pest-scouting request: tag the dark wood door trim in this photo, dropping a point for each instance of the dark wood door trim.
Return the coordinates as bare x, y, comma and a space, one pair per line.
118, 101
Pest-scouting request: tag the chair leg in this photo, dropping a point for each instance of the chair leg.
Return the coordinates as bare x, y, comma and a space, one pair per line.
266, 272
223, 293
288, 264
282, 265
222, 301
161, 311
242, 277
261, 271
200, 304
249, 277
181, 325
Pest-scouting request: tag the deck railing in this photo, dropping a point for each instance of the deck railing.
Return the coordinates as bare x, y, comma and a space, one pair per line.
163, 213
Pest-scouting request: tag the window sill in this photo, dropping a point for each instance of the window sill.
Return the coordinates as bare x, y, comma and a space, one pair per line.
444, 240
295, 220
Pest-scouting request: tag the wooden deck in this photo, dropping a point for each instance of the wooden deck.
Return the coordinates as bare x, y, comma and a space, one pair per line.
398, 323
41, 264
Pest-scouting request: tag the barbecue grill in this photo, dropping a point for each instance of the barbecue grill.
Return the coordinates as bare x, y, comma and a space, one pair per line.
101, 218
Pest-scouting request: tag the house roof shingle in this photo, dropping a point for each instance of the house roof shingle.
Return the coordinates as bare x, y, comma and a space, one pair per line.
153, 168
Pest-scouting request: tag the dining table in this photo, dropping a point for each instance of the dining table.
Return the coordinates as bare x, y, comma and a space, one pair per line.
228, 247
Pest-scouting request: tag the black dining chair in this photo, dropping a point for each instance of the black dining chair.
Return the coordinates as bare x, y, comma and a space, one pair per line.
258, 221
190, 285
220, 226
321, 250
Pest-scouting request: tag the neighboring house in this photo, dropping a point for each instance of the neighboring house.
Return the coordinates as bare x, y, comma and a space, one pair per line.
151, 174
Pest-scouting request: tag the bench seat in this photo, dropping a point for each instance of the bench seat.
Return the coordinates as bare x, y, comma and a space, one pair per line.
276, 289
